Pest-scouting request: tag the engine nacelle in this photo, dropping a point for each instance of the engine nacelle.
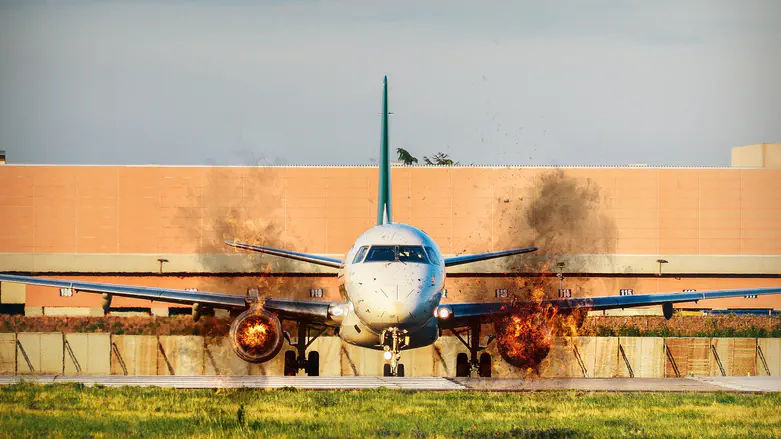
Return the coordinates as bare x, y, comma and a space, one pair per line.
256, 335
523, 339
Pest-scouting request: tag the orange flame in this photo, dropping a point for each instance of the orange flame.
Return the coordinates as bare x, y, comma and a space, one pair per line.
526, 335
255, 335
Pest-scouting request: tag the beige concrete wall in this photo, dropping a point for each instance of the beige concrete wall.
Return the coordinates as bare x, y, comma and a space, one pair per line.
360, 361
89, 354
219, 358
561, 360
568, 357
330, 349
137, 353
7, 354
736, 355
180, 355
73, 311
645, 355
771, 351
691, 355
12, 292
748, 156
762, 155
40, 353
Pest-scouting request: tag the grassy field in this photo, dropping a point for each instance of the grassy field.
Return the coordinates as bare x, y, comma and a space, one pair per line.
71, 410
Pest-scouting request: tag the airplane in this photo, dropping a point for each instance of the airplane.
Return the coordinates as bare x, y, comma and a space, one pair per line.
392, 280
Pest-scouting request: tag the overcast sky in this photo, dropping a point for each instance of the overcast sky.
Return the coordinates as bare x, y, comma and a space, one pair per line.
299, 82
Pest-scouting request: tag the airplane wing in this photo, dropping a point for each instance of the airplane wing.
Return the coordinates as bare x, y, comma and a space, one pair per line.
306, 257
460, 314
466, 259
286, 309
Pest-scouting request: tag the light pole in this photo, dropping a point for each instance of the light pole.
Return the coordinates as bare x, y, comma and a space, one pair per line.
560, 275
661, 261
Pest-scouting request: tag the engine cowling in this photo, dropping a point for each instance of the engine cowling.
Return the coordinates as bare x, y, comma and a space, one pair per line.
256, 335
524, 338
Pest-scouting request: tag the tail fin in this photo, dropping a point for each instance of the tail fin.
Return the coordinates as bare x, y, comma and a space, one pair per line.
384, 193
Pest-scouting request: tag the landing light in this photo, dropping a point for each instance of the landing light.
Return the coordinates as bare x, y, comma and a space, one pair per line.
387, 355
443, 312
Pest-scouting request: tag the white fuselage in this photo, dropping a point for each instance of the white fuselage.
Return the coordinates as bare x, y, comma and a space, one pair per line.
385, 292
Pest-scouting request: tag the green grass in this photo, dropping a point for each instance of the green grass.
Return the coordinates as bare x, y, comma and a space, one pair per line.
73, 410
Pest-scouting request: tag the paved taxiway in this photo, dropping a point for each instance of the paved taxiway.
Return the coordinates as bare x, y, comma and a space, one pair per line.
698, 384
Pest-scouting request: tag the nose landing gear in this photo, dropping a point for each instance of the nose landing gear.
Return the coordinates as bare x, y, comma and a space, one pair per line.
394, 340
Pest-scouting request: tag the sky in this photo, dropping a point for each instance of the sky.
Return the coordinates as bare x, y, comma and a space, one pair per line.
299, 82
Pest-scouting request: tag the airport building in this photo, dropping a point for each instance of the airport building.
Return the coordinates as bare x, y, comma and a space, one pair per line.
602, 230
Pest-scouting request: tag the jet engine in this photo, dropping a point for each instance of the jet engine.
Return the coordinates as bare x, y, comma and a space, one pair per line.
524, 338
256, 335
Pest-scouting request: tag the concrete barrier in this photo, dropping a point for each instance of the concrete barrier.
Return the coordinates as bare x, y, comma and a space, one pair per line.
97, 354
134, 355
180, 355
687, 356
7, 354
581, 357
219, 358
447, 348
733, 356
87, 354
606, 357
562, 360
641, 357
329, 349
360, 361
769, 356
39, 353
275, 366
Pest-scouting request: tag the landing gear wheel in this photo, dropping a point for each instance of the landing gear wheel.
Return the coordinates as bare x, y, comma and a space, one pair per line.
400, 370
291, 365
485, 365
313, 364
386, 372
462, 365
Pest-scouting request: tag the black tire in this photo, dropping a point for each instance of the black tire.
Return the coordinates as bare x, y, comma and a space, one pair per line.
386, 370
462, 365
313, 364
291, 366
400, 370
485, 365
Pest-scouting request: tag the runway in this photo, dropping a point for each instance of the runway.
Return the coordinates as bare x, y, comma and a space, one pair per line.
696, 384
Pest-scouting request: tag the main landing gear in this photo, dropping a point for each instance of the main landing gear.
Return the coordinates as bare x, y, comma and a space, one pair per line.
468, 365
394, 340
295, 360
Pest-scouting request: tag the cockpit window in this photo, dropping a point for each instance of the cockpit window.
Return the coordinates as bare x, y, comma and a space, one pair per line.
361, 253
401, 253
412, 253
382, 253
432, 255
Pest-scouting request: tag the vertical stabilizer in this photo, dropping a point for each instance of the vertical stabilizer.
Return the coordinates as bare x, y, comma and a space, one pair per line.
384, 192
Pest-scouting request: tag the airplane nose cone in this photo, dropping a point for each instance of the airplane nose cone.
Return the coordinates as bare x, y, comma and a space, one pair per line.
394, 295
